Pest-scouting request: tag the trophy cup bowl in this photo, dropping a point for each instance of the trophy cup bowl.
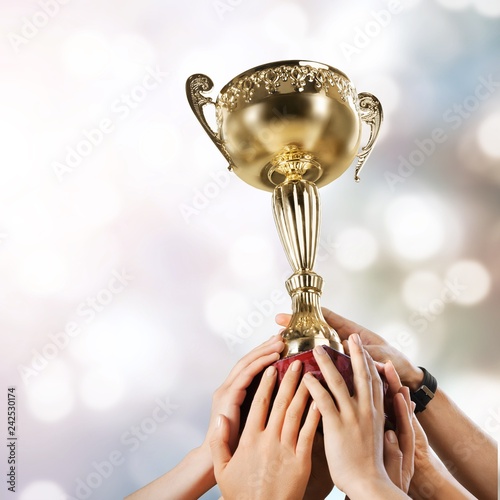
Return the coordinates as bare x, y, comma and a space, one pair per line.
290, 127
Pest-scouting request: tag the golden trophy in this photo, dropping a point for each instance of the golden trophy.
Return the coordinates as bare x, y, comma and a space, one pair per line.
291, 127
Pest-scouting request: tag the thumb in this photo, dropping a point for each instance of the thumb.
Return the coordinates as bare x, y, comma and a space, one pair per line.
283, 319
393, 458
219, 445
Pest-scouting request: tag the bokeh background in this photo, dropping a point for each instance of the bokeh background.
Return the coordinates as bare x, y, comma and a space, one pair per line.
135, 270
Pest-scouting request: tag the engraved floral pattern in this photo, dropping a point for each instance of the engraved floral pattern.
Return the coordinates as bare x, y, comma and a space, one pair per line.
299, 76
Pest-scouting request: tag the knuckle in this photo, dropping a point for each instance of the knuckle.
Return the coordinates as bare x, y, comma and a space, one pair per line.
293, 414
336, 381
260, 400
281, 403
324, 400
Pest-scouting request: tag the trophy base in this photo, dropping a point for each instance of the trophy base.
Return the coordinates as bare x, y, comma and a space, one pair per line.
340, 360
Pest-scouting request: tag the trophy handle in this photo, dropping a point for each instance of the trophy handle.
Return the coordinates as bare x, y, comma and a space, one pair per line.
195, 86
371, 113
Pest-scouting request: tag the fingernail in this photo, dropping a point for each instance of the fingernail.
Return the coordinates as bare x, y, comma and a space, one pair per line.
314, 405
296, 365
219, 421
356, 339
391, 437
319, 350
413, 406
271, 371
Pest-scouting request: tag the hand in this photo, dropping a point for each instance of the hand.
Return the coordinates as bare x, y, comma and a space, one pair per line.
399, 446
432, 480
353, 427
194, 475
273, 459
228, 398
378, 348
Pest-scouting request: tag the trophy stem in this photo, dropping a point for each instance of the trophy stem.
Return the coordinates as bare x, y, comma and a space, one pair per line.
296, 209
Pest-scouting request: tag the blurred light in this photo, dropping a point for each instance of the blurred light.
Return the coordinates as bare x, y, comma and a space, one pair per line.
387, 91
42, 490
117, 337
473, 277
222, 308
50, 395
134, 341
490, 8
455, 4
487, 135
251, 256
420, 288
101, 389
85, 53
357, 249
415, 227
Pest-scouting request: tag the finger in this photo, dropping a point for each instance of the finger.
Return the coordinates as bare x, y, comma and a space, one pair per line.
246, 376
378, 352
324, 401
333, 379
308, 431
377, 384
293, 417
406, 434
219, 445
283, 319
393, 458
273, 345
259, 409
284, 397
421, 441
345, 345
392, 378
361, 373
346, 327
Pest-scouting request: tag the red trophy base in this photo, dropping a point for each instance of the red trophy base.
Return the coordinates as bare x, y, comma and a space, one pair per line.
340, 360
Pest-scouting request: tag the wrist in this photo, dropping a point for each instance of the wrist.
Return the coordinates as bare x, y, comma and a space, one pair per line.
376, 488
431, 477
414, 379
425, 393
201, 463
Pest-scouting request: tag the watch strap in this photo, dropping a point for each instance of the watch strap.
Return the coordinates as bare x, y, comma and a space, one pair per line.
425, 393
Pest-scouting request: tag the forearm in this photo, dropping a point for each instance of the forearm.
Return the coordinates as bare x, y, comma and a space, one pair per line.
468, 452
433, 481
190, 479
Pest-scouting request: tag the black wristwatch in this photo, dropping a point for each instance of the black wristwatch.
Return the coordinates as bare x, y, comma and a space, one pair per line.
425, 393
